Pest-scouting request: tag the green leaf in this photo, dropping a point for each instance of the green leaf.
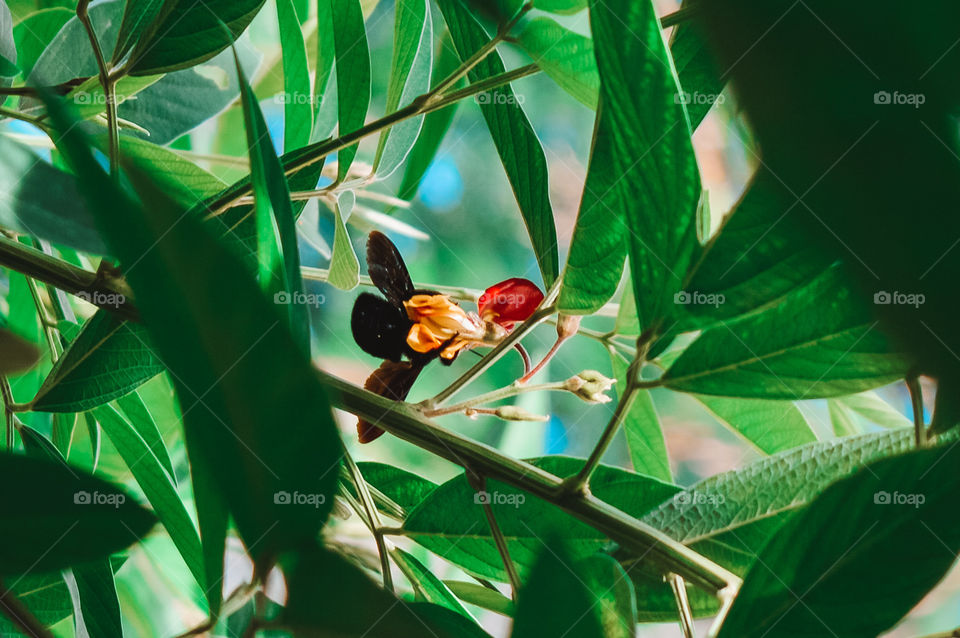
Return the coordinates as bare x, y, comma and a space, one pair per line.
8, 47
108, 359
57, 516
563, 7
565, 56
516, 142
409, 78
35, 32
297, 105
40, 200
98, 599
277, 251
263, 425
136, 412
451, 522
322, 90
613, 595
819, 342
875, 410
841, 419
770, 426
402, 487
627, 322
157, 486
344, 265
69, 55
555, 600
353, 71
187, 32
138, 15
700, 84
845, 545
345, 602
481, 596
180, 178
759, 256
643, 187
45, 595
428, 587
728, 517
435, 124
648, 450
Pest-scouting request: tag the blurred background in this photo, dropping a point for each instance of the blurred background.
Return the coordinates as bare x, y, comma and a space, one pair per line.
462, 228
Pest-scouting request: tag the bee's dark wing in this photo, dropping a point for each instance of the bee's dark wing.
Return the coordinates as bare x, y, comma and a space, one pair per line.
387, 269
393, 381
379, 327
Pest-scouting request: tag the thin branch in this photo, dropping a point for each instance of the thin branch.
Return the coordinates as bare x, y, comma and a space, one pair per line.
496, 395
7, 395
373, 518
405, 422
916, 401
683, 604
479, 484
680, 15
113, 296
108, 83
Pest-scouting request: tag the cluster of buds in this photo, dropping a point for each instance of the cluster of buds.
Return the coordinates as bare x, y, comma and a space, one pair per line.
590, 385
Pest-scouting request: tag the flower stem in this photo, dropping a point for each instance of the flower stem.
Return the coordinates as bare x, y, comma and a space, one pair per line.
495, 395
407, 423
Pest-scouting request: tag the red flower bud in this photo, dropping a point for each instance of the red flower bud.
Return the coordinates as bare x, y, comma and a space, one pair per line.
509, 302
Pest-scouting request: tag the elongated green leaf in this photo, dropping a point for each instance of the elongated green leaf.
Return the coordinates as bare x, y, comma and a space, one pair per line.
614, 599
770, 426
45, 595
324, 96
297, 105
759, 256
138, 15
35, 32
59, 516
435, 124
136, 412
409, 78
344, 265
643, 186
481, 596
40, 200
317, 606
875, 410
451, 522
428, 587
700, 83
819, 342
108, 359
841, 419
556, 600
263, 425
845, 545
277, 251
156, 484
183, 180
648, 451
565, 56
561, 6
186, 32
353, 71
516, 142
8, 47
99, 603
402, 487
728, 517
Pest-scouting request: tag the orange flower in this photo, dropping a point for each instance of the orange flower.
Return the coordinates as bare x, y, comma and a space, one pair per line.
438, 320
